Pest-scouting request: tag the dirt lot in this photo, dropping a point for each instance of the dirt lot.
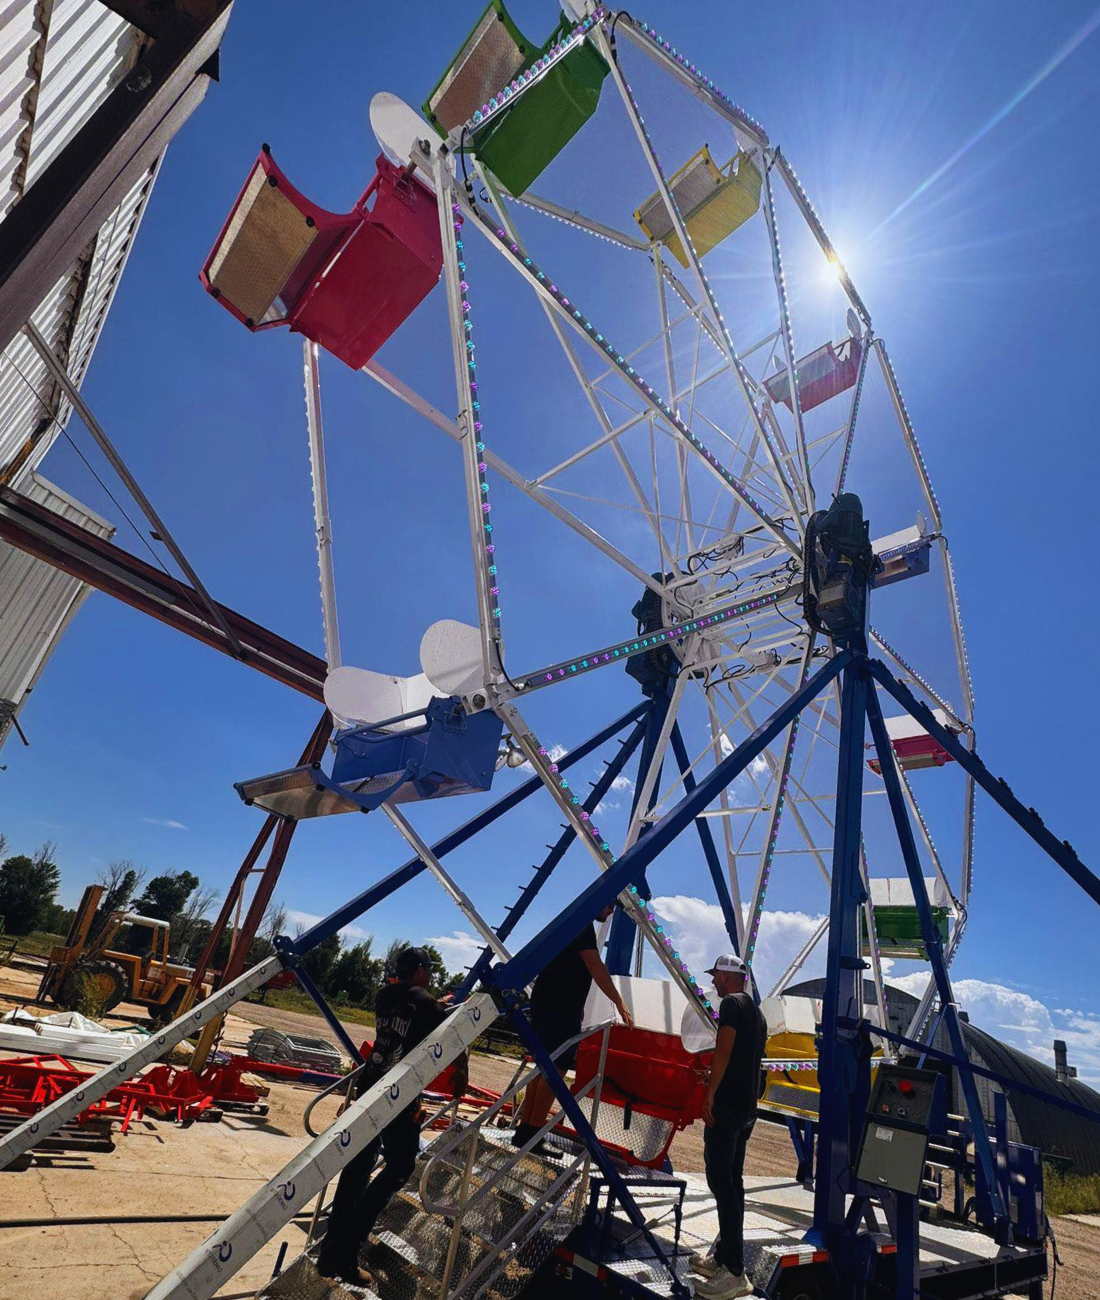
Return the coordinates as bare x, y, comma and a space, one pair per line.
208, 1170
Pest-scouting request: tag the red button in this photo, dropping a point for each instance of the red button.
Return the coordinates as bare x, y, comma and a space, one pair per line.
905, 1085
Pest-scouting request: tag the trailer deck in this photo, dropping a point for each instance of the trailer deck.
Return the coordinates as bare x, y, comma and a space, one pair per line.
957, 1260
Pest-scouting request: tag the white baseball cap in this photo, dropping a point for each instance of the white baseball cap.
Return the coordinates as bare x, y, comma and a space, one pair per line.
730, 962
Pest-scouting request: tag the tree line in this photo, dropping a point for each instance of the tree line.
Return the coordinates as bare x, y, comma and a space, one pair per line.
351, 974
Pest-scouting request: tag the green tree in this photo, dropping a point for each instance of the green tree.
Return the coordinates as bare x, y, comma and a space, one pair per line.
28, 885
119, 880
320, 962
166, 896
357, 976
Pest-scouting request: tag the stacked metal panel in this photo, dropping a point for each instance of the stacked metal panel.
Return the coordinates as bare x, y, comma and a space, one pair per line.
36, 603
59, 59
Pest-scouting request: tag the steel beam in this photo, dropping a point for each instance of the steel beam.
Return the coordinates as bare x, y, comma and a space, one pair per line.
839, 1070
32, 528
983, 1156
996, 786
629, 868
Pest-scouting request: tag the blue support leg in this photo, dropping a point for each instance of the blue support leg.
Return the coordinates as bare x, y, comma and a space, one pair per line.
840, 1056
987, 1179
617, 1188
369, 898
620, 942
706, 839
318, 997
1027, 818
627, 870
557, 851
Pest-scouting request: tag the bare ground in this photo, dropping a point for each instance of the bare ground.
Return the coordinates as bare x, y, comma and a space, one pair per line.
210, 1169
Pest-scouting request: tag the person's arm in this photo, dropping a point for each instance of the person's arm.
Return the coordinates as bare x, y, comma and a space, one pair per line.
603, 981
727, 1035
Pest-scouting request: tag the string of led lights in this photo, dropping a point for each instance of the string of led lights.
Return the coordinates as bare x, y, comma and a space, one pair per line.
570, 803
488, 555
622, 650
535, 73
745, 382
853, 415
925, 686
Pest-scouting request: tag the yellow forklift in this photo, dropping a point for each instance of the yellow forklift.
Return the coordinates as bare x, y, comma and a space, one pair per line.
94, 977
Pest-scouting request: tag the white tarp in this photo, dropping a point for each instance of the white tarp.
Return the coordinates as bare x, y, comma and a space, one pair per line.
66, 1033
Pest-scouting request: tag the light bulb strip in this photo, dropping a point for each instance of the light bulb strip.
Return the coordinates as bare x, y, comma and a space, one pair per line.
488, 543
544, 284
621, 651
752, 930
853, 415
815, 224
787, 330
702, 82
530, 76
909, 432
572, 805
774, 1067
932, 694
744, 381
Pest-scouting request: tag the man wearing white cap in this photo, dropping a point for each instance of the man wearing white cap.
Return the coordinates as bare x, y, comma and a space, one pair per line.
729, 1113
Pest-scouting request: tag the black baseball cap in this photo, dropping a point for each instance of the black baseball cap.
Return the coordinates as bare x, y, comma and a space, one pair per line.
410, 960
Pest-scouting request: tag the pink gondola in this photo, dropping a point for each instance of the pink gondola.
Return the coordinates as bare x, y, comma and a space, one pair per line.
823, 374
346, 281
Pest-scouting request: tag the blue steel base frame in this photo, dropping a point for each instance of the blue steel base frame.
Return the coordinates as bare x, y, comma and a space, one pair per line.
845, 1049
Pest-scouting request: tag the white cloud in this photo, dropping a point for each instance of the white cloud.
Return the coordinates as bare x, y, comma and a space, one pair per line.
699, 933
622, 785
458, 949
303, 920
1023, 1021
555, 753
165, 821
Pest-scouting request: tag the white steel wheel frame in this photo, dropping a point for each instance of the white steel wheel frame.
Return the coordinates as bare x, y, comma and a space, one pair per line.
725, 501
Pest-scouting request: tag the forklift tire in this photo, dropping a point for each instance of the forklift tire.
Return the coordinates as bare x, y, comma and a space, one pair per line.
93, 984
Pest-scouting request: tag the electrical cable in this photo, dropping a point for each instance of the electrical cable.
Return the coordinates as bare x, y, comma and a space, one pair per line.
203, 614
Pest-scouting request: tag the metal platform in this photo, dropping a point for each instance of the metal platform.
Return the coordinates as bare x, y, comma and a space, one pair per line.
956, 1260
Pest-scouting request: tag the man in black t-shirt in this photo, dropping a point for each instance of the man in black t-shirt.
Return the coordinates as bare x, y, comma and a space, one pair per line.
729, 1113
557, 1010
405, 1014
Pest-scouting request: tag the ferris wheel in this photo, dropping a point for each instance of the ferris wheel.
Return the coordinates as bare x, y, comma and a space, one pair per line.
601, 185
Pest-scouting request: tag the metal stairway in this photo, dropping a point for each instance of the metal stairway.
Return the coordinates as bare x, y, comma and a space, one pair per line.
477, 1218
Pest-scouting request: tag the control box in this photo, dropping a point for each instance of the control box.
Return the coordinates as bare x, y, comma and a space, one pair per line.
903, 1106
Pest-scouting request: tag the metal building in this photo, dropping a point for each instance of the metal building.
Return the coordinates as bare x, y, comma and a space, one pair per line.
59, 60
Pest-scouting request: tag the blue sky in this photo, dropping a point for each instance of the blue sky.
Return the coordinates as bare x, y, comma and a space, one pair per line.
949, 150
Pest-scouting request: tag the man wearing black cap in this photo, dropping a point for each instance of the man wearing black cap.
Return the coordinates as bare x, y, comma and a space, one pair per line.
557, 1011
405, 1014
729, 1113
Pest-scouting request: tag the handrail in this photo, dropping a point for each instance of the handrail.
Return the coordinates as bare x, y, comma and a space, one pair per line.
454, 1137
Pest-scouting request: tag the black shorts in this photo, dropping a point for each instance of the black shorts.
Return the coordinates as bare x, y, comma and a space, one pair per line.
554, 1028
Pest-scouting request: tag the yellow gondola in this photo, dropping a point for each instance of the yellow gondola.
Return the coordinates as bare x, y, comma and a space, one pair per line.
713, 201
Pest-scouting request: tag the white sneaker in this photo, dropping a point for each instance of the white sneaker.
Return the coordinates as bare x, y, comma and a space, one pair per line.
704, 1263
723, 1285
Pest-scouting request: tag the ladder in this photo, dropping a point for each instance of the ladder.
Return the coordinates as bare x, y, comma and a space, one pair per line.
206, 1270
478, 1218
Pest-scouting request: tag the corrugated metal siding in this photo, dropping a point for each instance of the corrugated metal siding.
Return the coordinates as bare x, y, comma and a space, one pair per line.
37, 601
88, 50
22, 44
59, 59
1054, 1131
